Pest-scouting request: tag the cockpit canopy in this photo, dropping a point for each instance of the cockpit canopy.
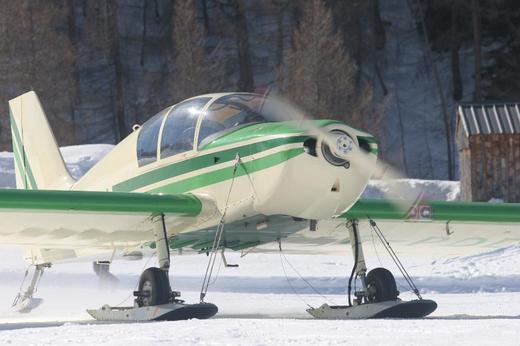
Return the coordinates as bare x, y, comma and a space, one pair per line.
191, 124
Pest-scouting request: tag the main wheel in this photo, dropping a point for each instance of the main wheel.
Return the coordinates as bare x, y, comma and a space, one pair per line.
154, 287
381, 285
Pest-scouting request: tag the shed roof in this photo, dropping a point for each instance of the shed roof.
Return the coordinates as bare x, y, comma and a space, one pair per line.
489, 118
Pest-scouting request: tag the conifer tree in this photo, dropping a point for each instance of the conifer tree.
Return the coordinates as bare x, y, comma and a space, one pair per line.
194, 74
318, 73
37, 54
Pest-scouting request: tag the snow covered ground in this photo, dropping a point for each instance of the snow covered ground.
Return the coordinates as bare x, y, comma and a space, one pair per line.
478, 297
263, 302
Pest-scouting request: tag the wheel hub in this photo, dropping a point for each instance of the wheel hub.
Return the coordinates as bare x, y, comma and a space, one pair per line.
146, 293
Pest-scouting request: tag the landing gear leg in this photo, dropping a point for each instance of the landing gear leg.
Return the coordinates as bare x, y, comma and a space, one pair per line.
24, 301
154, 298
379, 285
360, 268
378, 297
154, 284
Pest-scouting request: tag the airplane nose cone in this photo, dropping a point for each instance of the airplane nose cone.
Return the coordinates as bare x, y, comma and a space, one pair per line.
336, 147
344, 144
311, 185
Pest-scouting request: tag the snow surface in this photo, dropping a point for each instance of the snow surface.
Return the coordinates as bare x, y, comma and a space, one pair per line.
478, 297
263, 302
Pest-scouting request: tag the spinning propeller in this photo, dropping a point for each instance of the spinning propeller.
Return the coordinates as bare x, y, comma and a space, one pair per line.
340, 146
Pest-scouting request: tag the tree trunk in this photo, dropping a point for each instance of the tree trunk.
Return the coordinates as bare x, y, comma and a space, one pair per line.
446, 118
119, 102
477, 52
75, 91
246, 79
454, 48
279, 34
377, 25
205, 16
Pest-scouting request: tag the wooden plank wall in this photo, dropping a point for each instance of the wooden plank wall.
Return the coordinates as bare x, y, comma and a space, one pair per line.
464, 162
465, 174
491, 168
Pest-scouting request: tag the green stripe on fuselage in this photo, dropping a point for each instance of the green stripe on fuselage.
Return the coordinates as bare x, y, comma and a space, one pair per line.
202, 161
263, 130
223, 174
22, 161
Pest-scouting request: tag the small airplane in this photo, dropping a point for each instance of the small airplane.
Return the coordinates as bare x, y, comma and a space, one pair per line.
214, 172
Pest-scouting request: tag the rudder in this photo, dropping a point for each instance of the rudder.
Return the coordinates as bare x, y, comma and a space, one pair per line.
38, 160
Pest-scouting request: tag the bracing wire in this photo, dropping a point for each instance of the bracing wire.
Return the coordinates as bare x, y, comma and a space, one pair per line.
305, 280
218, 237
290, 284
394, 257
218, 272
379, 258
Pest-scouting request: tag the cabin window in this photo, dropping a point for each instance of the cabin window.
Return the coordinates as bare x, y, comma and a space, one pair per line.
179, 129
148, 137
231, 112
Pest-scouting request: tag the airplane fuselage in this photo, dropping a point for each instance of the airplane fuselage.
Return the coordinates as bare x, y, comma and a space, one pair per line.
268, 168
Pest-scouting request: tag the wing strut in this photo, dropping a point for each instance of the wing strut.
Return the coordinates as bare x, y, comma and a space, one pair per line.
161, 242
218, 236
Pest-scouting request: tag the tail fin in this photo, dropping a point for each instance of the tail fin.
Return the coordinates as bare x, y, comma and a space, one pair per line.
38, 160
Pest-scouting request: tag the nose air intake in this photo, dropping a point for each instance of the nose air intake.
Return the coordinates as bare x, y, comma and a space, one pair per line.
343, 145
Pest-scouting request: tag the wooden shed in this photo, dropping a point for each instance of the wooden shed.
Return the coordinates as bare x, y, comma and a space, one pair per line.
488, 140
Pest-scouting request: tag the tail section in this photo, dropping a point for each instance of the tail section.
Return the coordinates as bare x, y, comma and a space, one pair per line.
38, 160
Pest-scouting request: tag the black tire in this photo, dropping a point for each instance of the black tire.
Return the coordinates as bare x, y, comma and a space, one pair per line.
154, 287
381, 285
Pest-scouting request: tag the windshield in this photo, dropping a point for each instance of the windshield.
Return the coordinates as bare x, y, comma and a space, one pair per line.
230, 112
147, 138
179, 127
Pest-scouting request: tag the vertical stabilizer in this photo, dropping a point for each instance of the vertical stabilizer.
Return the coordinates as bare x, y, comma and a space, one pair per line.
38, 160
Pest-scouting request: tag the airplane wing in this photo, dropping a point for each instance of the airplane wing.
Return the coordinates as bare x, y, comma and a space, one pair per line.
438, 228
62, 224
67, 224
442, 228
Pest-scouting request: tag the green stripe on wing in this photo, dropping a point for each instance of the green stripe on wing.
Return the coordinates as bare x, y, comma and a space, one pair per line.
117, 202
438, 211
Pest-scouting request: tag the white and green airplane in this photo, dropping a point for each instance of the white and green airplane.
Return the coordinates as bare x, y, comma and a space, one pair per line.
222, 171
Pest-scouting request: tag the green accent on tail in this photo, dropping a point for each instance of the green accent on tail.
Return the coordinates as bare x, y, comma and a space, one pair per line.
18, 161
20, 158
